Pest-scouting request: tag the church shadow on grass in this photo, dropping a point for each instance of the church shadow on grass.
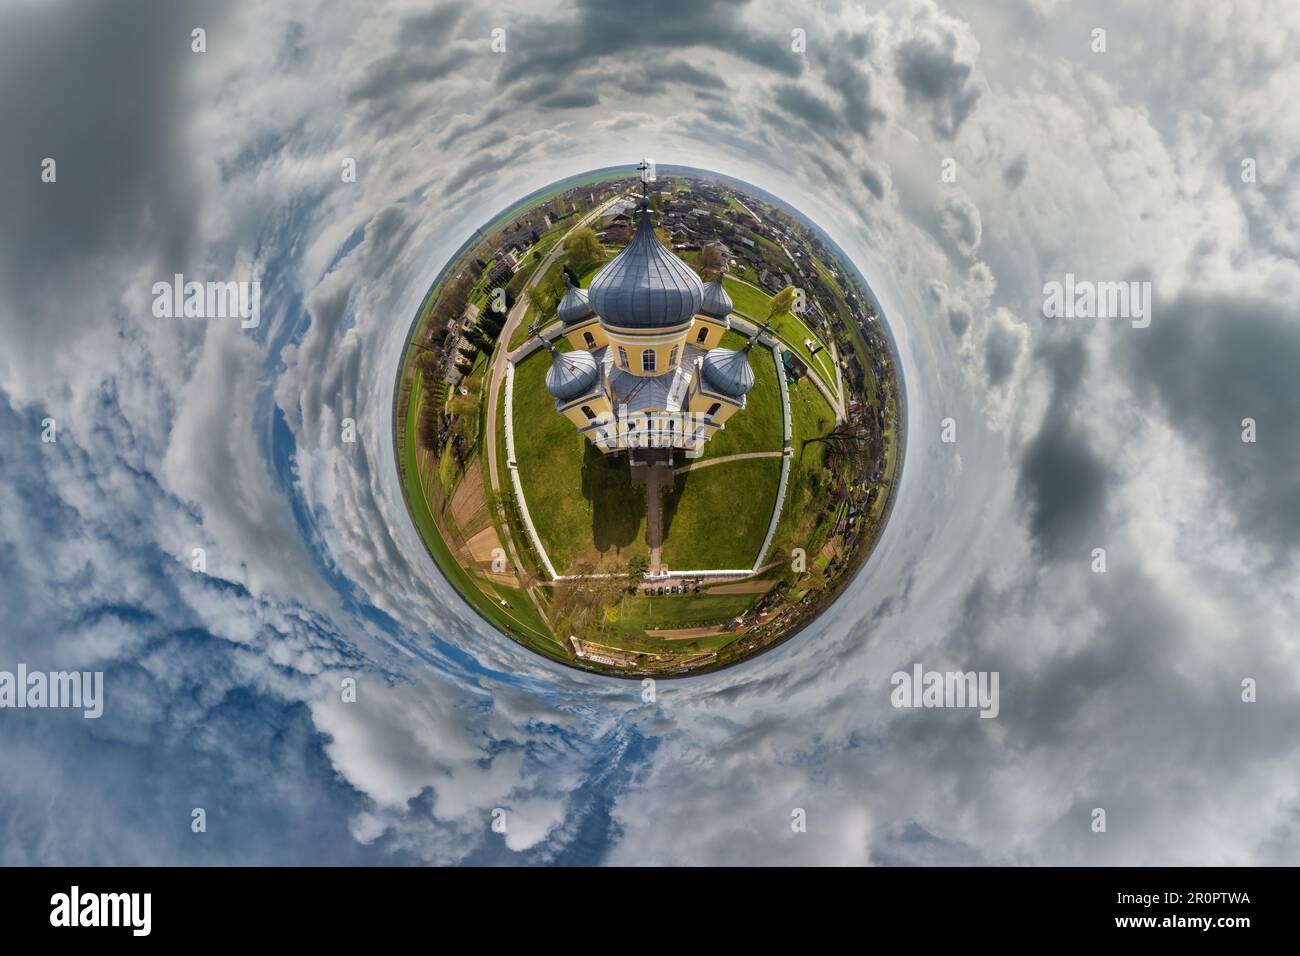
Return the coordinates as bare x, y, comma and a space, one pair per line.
617, 508
672, 497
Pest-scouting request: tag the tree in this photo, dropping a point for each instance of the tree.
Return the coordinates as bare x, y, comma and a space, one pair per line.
781, 302
856, 443
711, 260
428, 420
426, 362
545, 294
636, 570
582, 249
581, 599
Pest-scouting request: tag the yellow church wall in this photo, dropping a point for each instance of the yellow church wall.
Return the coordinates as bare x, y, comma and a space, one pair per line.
577, 334
597, 402
635, 343
702, 400
712, 330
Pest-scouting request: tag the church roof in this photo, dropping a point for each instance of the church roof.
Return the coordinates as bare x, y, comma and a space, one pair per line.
574, 306
716, 301
571, 375
727, 371
645, 285
649, 393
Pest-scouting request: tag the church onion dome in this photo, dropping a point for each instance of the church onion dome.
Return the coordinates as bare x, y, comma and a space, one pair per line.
574, 307
716, 301
572, 374
728, 372
646, 286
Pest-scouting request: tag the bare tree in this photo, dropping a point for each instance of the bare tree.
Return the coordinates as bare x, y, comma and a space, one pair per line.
581, 599
856, 443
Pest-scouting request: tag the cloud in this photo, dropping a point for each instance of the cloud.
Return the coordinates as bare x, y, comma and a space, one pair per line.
1063, 480
224, 686
934, 77
1212, 362
961, 224
1003, 346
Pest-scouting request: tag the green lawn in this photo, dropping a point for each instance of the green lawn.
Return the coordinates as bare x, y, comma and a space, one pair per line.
810, 416
521, 334
717, 517
670, 612
752, 303
582, 502
758, 426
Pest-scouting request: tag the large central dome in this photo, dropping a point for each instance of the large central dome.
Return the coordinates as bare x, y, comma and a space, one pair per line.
646, 286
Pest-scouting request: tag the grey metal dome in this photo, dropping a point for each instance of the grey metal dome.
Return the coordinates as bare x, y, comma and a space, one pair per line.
645, 285
716, 301
571, 374
727, 371
574, 306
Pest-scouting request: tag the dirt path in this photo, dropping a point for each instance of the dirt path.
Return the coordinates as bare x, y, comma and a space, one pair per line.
740, 587
685, 633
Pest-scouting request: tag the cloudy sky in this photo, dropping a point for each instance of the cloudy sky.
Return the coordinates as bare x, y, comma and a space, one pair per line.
1120, 691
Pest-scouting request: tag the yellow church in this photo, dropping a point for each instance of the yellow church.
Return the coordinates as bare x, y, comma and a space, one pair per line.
646, 375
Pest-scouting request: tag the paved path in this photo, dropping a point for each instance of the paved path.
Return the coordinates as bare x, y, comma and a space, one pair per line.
501, 354
513, 464
696, 465
658, 479
787, 426
500, 359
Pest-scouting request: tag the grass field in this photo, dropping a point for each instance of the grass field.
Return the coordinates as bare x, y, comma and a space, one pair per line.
636, 614
717, 517
582, 502
810, 416
752, 303
757, 427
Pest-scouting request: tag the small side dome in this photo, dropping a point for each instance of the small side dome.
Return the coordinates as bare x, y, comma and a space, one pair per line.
571, 374
727, 371
716, 301
574, 306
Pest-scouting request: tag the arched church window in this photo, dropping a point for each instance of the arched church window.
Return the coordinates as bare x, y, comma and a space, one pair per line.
648, 360
703, 334
586, 410
714, 409
672, 357
589, 339
622, 357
